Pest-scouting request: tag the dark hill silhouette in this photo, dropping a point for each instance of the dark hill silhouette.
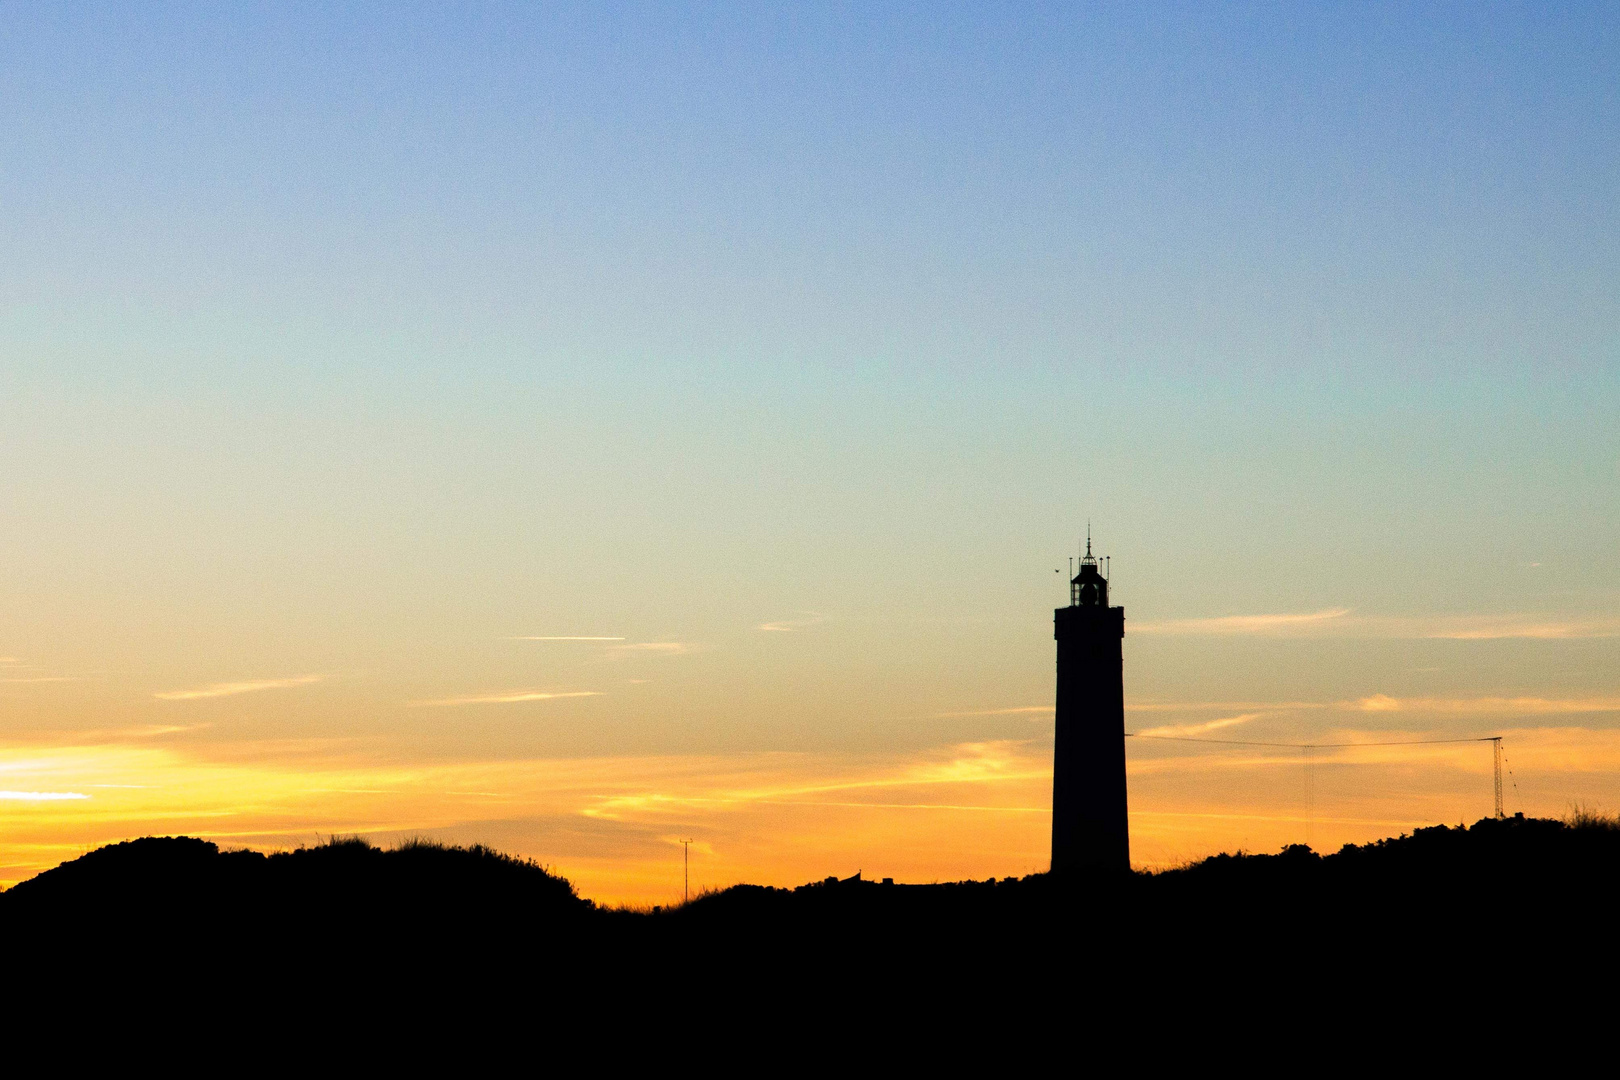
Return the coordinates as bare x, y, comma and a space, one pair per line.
180, 882
1531, 864
346, 926
184, 882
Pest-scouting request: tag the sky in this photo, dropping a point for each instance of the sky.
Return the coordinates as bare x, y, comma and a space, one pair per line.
579, 428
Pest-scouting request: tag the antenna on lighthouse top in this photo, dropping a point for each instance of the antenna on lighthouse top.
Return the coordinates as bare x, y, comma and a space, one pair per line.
1088, 559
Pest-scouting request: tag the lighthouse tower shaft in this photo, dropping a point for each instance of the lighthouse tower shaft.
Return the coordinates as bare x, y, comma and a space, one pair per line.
1090, 828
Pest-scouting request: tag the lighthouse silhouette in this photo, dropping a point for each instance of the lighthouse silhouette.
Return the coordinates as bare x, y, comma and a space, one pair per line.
1090, 829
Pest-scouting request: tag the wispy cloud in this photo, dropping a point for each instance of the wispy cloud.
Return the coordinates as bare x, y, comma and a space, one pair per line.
41, 796
666, 648
510, 698
229, 689
781, 818
1242, 624
1490, 628
615, 646
111, 736
775, 818
1187, 731
1523, 705
1222, 706
966, 764
1340, 622
1014, 711
1493, 705
788, 626
44, 679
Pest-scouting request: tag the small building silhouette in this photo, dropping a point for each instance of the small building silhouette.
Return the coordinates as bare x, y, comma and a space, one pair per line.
1090, 828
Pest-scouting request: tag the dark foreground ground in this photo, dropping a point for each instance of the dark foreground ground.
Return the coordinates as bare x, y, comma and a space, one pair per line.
1446, 922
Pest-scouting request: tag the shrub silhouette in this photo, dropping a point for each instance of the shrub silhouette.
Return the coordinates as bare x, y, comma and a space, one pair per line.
346, 923
1581, 816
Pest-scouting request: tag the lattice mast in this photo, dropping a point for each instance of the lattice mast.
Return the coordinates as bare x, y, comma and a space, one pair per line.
1496, 760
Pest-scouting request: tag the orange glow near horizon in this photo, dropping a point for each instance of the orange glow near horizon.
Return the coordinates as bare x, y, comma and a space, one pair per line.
969, 810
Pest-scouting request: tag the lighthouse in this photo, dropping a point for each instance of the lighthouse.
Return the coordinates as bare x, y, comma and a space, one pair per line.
1090, 829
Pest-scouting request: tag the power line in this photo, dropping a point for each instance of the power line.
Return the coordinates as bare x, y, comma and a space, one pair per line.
1305, 755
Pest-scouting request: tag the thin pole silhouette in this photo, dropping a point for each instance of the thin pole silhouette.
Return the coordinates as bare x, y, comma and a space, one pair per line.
686, 871
1310, 794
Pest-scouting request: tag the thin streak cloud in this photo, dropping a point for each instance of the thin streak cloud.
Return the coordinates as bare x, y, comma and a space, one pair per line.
788, 626
1015, 711
41, 796
1185, 731
1242, 624
1517, 626
230, 689
103, 736
1223, 706
968, 763
668, 648
563, 637
1494, 705
1339, 622
1381, 703
511, 698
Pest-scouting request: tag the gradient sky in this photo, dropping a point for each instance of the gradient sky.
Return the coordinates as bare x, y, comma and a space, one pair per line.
348, 351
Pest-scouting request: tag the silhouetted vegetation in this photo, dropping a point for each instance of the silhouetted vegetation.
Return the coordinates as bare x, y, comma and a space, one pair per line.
1581, 816
183, 880
345, 918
